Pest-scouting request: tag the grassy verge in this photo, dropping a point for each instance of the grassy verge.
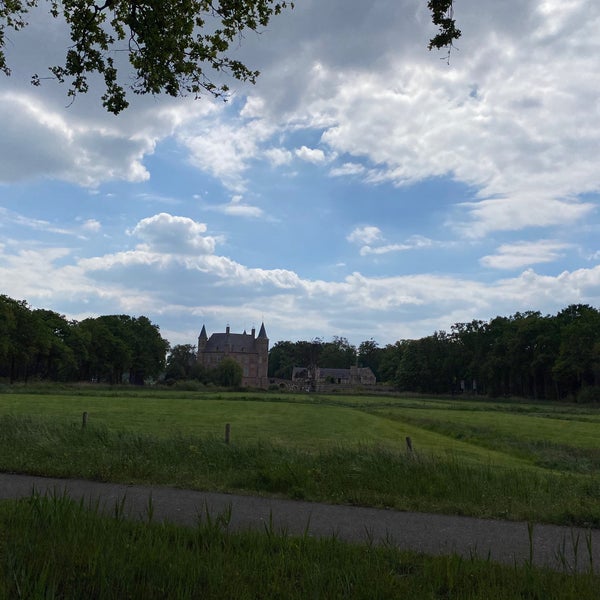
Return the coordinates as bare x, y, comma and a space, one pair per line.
51, 547
365, 475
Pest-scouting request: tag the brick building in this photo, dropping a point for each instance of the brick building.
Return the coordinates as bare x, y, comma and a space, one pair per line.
251, 352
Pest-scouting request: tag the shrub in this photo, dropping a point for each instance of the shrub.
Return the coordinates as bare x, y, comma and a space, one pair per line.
588, 394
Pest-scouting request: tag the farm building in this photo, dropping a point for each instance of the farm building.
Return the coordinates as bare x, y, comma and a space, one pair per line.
250, 351
321, 379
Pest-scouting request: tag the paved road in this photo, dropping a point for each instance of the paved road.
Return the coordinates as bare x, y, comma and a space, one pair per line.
503, 541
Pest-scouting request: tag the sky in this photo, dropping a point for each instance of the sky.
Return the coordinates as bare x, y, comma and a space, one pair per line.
365, 187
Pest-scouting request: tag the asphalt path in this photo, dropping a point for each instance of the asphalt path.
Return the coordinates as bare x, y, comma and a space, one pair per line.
505, 542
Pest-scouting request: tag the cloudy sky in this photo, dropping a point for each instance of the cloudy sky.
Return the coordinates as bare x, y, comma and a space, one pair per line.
363, 188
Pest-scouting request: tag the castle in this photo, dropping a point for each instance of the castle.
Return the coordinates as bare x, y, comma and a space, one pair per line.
250, 352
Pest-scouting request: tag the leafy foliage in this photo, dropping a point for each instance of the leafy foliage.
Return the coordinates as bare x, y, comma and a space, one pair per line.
173, 46
45, 345
442, 15
284, 356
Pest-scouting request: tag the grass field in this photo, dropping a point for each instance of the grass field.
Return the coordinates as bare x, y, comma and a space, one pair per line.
491, 459
514, 460
298, 422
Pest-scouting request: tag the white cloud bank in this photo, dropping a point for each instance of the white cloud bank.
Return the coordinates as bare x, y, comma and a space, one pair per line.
175, 270
521, 254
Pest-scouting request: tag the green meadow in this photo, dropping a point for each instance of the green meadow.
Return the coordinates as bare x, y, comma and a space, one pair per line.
309, 423
510, 460
491, 459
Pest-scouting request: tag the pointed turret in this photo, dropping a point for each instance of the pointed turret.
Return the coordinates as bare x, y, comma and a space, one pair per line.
262, 333
262, 347
202, 340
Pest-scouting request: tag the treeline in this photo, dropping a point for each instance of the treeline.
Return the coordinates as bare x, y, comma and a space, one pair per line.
527, 355
284, 356
43, 344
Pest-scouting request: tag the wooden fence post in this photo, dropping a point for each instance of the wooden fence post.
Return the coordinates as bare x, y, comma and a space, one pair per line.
227, 432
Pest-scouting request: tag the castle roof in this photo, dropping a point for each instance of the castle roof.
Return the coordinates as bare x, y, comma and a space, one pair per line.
262, 333
231, 342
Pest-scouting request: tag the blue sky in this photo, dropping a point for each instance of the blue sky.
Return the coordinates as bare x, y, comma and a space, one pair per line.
363, 188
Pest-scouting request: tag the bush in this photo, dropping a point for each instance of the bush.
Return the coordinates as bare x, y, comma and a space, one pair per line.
588, 394
189, 385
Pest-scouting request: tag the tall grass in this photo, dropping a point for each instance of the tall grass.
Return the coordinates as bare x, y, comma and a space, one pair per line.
363, 475
52, 547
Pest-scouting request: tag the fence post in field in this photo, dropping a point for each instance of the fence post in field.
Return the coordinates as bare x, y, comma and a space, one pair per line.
409, 446
227, 432
84, 419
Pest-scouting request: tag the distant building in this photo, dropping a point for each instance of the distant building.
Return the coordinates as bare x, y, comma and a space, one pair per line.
321, 379
250, 352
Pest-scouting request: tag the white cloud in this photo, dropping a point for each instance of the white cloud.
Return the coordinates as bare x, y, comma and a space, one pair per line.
311, 155
236, 207
172, 234
91, 225
168, 276
521, 254
89, 153
365, 235
412, 243
242, 210
497, 119
11, 217
347, 169
278, 156
225, 149
519, 212
369, 235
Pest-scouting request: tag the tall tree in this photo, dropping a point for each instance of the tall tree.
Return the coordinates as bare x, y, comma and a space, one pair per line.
148, 349
282, 360
180, 362
337, 354
369, 355
578, 362
391, 356
56, 356
23, 335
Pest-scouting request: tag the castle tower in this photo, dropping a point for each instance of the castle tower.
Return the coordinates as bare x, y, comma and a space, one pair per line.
202, 339
262, 347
